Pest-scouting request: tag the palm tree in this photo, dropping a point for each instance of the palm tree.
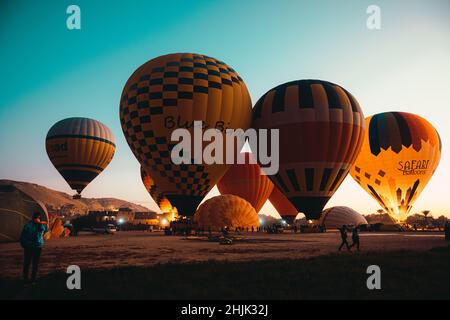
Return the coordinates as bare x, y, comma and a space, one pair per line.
425, 214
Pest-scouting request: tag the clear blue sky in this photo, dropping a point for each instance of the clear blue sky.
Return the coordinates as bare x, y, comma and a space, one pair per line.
50, 73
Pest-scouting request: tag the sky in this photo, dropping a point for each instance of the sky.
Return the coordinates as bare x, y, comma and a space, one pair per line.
50, 73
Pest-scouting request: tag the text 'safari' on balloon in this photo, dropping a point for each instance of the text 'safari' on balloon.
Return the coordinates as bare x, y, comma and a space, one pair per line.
400, 153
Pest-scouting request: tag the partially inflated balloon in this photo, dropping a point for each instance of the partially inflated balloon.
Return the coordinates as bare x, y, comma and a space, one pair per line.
321, 128
162, 202
226, 211
171, 92
282, 204
247, 181
80, 149
399, 155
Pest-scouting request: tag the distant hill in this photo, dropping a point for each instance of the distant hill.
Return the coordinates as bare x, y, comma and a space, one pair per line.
62, 203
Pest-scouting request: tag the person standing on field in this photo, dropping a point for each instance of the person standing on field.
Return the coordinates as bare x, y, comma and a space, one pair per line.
355, 238
32, 241
343, 233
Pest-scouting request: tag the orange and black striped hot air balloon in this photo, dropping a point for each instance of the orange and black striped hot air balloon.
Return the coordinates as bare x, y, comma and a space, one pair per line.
247, 181
171, 92
283, 206
80, 149
321, 129
162, 202
400, 153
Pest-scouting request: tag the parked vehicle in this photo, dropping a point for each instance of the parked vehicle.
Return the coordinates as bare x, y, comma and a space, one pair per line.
107, 229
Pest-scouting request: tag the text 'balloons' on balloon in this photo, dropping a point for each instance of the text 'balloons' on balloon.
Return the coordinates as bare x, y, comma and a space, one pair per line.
156, 194
321, 128
283, 206
246, 180
171, 92
80, 149
400, 153
226, 211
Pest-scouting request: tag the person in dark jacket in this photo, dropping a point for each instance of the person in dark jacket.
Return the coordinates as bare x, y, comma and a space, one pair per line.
355, 238
343, 232
32, 241
447, 231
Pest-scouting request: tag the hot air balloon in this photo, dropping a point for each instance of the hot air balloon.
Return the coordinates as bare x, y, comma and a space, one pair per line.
16, 209
321, 129
162, 202
80, 149
400, 153
171, 92
226, 211
284, 207
336, 217
246, 180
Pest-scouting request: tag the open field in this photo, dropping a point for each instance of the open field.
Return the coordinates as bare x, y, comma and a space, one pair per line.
286, 266
138, 249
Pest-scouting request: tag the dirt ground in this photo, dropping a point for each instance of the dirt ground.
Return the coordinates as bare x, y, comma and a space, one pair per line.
136, 248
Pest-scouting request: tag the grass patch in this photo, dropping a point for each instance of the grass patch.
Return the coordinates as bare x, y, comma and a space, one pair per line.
405, 275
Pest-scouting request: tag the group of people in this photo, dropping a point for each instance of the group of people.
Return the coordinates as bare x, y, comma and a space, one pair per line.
355, 237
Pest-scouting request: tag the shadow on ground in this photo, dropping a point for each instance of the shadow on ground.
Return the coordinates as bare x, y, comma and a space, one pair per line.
404, 275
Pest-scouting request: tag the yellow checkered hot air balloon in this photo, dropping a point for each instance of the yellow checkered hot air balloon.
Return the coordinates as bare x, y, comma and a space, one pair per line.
171, 92
80, 149
399, 155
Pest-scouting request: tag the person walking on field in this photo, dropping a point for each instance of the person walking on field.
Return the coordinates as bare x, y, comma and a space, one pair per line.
355, 238
32, 241
343, 232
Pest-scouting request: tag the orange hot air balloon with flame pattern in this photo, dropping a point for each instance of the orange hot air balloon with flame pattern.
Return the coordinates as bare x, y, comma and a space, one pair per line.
400, 154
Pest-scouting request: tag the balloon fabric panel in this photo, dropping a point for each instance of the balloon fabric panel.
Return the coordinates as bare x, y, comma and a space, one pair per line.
321, 132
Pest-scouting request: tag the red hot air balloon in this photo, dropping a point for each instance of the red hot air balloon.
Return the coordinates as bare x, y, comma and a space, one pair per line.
282, 204
247, 181
321, 129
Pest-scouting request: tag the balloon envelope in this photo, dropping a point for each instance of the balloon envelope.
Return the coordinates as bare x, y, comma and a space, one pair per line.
282, 204
336, 217
80, 149
321, 129
247, 181
171, 92
162, 202
400, 153
226, 211
16, 209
